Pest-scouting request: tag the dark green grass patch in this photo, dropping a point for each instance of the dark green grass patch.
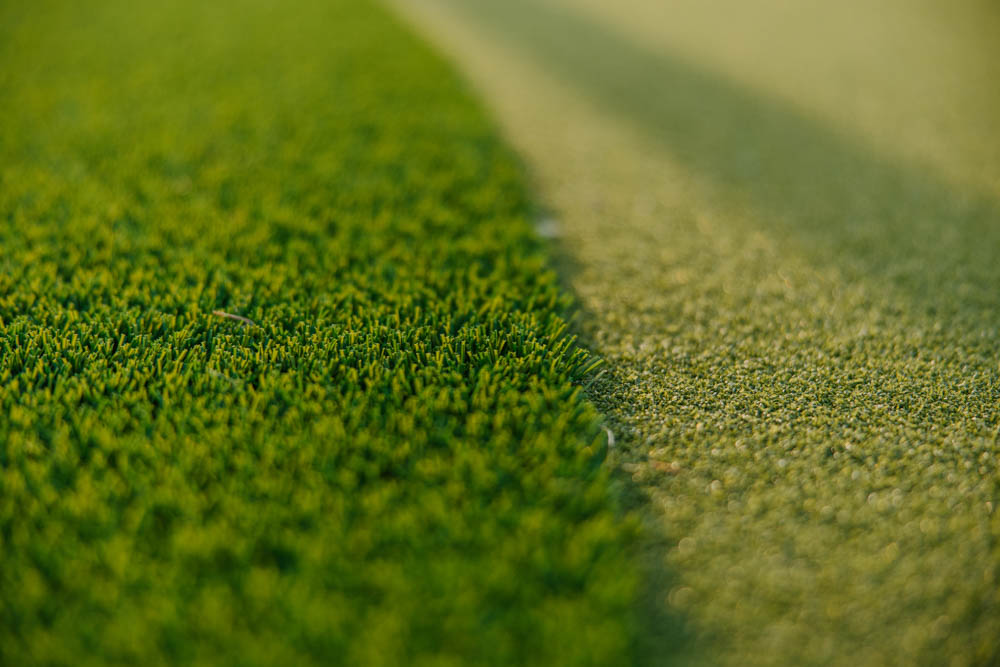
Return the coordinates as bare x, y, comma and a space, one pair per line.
389, 463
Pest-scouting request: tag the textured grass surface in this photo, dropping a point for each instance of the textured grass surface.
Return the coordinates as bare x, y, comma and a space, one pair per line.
784, 227
391, 464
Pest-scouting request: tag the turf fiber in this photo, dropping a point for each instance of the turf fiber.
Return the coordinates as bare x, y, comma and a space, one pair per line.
387, 462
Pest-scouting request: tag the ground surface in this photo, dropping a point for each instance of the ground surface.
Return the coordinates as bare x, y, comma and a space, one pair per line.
391, 464
781, 220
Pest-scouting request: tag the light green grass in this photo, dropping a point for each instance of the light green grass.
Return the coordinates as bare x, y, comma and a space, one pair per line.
801, 324
392, 465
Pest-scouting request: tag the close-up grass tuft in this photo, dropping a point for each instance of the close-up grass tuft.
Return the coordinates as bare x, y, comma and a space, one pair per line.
284, 376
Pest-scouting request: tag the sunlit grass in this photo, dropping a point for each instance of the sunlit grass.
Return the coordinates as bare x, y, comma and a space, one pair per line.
797, 303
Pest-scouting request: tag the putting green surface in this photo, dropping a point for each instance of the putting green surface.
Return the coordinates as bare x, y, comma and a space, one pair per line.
782, 221
388, 460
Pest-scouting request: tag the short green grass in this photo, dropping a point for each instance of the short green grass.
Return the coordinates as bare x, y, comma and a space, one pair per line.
390, 462
802, 328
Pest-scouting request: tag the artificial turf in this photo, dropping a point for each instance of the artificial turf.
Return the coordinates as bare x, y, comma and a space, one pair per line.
388, 461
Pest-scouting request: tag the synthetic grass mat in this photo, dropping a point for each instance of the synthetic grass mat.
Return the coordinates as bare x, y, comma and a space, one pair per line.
389, 462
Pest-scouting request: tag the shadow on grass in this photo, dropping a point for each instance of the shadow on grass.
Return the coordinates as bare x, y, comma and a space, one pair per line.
893, 225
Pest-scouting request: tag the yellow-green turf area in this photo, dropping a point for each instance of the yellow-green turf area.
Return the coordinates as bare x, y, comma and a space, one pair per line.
782, 220
392, 464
